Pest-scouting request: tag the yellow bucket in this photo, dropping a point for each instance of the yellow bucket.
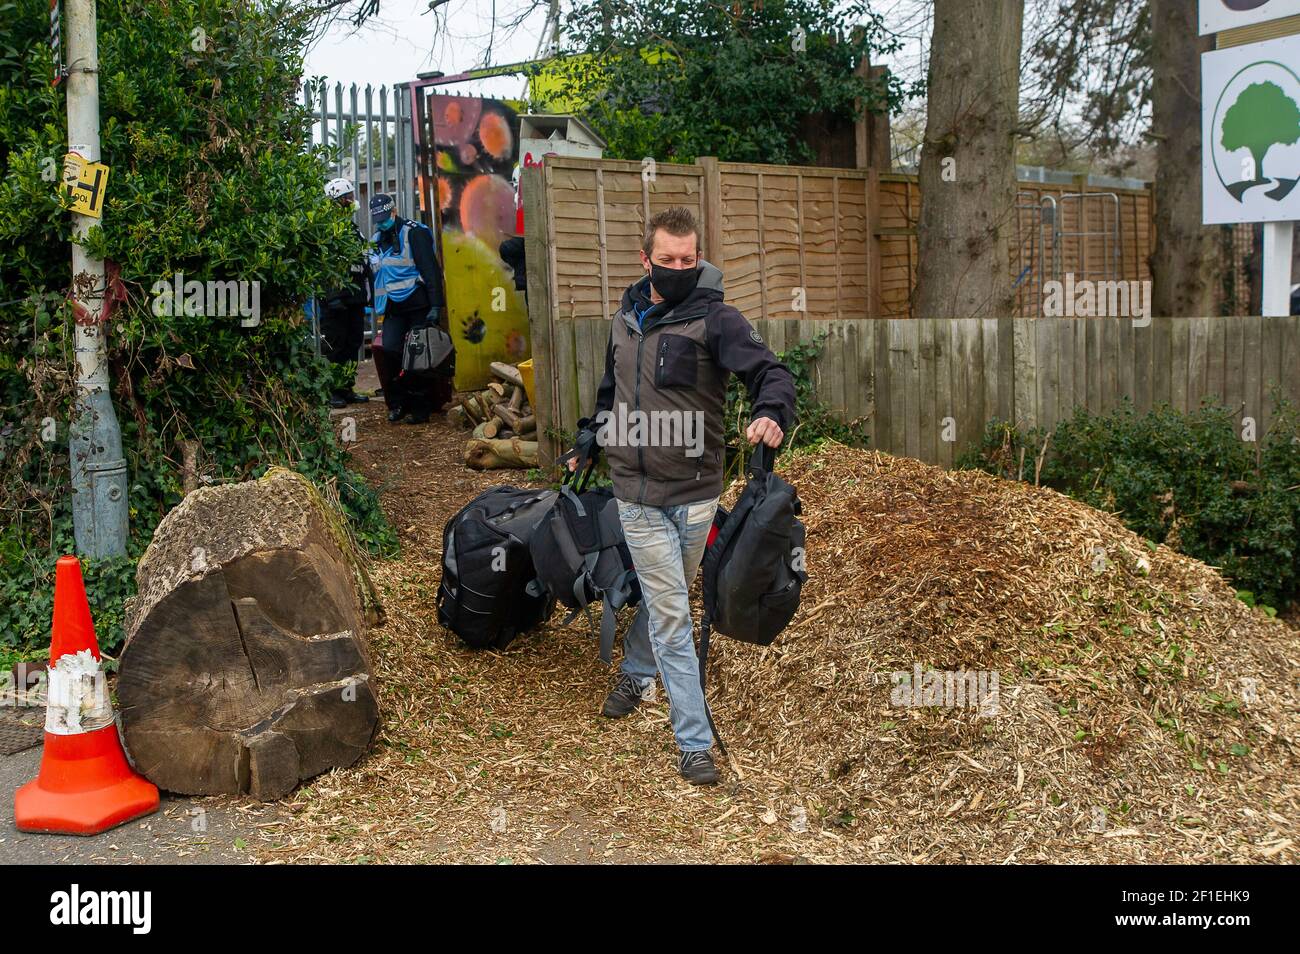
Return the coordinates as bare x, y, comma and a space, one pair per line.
526, 372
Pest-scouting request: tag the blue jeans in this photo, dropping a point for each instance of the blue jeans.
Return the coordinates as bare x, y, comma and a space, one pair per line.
667, 545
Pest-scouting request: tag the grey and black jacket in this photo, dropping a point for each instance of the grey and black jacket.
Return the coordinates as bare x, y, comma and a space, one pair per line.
677, 360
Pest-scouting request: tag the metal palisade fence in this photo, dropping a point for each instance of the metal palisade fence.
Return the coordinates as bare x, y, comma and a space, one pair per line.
369, 137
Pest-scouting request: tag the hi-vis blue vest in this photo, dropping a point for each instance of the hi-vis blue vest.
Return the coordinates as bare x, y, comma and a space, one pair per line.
395, 273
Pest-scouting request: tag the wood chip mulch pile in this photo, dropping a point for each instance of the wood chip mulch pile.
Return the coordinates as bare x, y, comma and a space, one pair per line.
1140, 713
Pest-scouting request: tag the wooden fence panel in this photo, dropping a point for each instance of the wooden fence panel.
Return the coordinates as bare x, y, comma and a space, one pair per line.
808, 252
905, 381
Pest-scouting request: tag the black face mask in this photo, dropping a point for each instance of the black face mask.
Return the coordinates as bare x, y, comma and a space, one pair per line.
674, 284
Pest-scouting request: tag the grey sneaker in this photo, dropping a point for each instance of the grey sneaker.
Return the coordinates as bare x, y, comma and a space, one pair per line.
698, 768
623, 698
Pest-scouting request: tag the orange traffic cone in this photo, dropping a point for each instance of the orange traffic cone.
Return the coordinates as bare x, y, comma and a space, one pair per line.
85, 785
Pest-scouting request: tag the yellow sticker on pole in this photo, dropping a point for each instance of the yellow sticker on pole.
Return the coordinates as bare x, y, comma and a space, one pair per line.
85, 184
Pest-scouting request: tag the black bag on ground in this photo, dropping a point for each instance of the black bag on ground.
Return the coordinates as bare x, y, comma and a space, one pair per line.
581, 556
754, 569
489, 591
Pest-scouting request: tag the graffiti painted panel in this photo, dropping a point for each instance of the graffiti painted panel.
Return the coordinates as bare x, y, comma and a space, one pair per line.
477, 149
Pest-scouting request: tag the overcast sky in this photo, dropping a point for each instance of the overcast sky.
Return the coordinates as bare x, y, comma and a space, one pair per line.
406, 39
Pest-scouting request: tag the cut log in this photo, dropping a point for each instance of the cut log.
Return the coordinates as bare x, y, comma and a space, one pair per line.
515, 421
517, 396
473, 412
488, 429
457, 417
245, 669
497, 388
507, 372
497, 454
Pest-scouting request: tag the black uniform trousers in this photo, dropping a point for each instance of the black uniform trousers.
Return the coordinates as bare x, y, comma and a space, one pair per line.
343, 330
404, 390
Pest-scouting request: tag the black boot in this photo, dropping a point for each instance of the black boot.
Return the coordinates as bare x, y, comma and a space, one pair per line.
396, 413
698, 768
623, 698
352, 397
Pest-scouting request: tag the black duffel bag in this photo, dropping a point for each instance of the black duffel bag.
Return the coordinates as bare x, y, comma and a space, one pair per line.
489, 592
754, 568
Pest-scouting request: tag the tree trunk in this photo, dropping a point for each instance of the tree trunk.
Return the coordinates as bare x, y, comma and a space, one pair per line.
245, 668
968, 170
1186, 263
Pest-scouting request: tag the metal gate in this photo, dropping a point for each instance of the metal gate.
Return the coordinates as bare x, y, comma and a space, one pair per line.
369, 139
1085, 236
1075, 233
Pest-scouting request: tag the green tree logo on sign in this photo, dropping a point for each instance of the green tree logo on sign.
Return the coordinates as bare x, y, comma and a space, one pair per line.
1261, 117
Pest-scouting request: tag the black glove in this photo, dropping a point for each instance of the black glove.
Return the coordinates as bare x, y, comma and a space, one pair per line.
588, 439
586, 448
434, 317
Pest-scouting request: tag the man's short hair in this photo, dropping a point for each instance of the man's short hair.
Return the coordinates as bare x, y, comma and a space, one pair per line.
678, 220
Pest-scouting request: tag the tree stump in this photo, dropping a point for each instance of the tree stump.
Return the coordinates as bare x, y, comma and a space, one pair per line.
246, 668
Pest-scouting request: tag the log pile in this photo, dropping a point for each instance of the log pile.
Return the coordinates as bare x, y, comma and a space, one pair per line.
502, 423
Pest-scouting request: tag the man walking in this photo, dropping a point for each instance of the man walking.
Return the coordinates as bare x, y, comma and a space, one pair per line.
408, 294
343, 310
671, 347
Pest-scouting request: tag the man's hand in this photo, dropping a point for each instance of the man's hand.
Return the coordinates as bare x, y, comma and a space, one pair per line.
766, 430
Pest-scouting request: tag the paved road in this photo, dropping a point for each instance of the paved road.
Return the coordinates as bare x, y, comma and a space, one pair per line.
173, 835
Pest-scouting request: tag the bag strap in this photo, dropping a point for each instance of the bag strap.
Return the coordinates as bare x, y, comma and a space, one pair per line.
567, 491
761, 460
585, 452
702, 654
615, 598
608, 625
526, 502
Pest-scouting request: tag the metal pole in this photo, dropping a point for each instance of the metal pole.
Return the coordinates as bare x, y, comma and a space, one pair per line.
399, 159
1276, 279
99, 504
370, 159
356, 153
383, 139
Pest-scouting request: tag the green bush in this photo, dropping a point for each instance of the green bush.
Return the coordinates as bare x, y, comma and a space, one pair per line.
815, 421
680, 79
213, 177
1186, 480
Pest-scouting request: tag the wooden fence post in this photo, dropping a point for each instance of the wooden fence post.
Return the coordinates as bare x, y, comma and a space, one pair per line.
541, 316
874, 273
711, 202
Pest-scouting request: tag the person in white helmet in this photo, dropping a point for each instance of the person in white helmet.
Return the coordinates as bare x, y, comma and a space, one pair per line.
343, 310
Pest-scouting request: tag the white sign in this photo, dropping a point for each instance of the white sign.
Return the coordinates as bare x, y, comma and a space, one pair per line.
1250, 132
1219, 15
